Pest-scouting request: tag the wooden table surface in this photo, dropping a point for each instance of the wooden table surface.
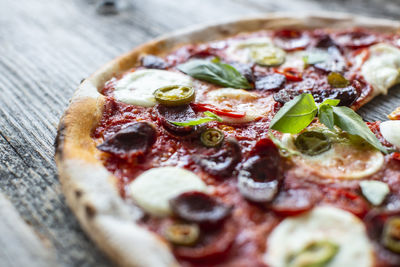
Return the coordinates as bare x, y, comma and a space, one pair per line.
46, 48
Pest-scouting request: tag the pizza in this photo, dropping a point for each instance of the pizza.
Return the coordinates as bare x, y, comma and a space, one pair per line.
238, 144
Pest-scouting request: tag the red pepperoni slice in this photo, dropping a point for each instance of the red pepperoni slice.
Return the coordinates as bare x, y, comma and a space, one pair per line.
294, 201
356, 39
291, 39
213, 245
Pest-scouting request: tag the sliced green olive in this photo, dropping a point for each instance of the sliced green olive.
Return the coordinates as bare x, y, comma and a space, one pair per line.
267, 55
337, 80
174, 95
212, 137
182, 234
312, 143
391, 234
315, 254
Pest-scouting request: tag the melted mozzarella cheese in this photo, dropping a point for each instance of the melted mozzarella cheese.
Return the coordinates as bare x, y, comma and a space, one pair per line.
390, 130
240, 100
374, 191
381, 70
153, 189
137, 87
295, 60
256, 50
320, 224
343, 160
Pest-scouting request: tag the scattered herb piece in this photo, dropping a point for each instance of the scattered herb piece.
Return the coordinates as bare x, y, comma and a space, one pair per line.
210, 117
215, 72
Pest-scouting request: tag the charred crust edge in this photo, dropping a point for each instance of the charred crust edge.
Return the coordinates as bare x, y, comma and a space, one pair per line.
59, 140
90, 211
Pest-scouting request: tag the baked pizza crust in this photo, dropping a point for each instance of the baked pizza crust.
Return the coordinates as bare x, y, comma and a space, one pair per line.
90, 189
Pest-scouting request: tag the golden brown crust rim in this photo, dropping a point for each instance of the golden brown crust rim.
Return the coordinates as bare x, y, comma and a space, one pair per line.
88, 186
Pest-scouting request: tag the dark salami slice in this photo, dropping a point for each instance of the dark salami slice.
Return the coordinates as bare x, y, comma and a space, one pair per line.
245, 70
335, 62
272, 81
178, 114
153, 62
223, 162
132, 140
200, 208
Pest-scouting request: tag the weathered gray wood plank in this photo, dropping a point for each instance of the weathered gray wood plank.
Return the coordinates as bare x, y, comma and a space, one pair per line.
48, 46
17, 239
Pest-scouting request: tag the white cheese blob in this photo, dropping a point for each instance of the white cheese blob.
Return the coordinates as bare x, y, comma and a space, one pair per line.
153, 189
295, 60
260, 50
241, 101
374, 191
321, 224
137, 87
390, 130
343, 160
381, 70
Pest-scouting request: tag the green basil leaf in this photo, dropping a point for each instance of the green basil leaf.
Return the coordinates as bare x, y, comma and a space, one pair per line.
295, 115
331, 102
211, 117
215, 72
348, 120
325, 116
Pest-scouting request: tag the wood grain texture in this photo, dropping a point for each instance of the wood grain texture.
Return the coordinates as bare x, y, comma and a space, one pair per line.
36, 252
47, 47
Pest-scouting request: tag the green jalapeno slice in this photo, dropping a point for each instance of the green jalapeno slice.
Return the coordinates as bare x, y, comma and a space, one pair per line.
212, 137
391, 234
312, 143
315, 254
337, 80
174, 95
182, 234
